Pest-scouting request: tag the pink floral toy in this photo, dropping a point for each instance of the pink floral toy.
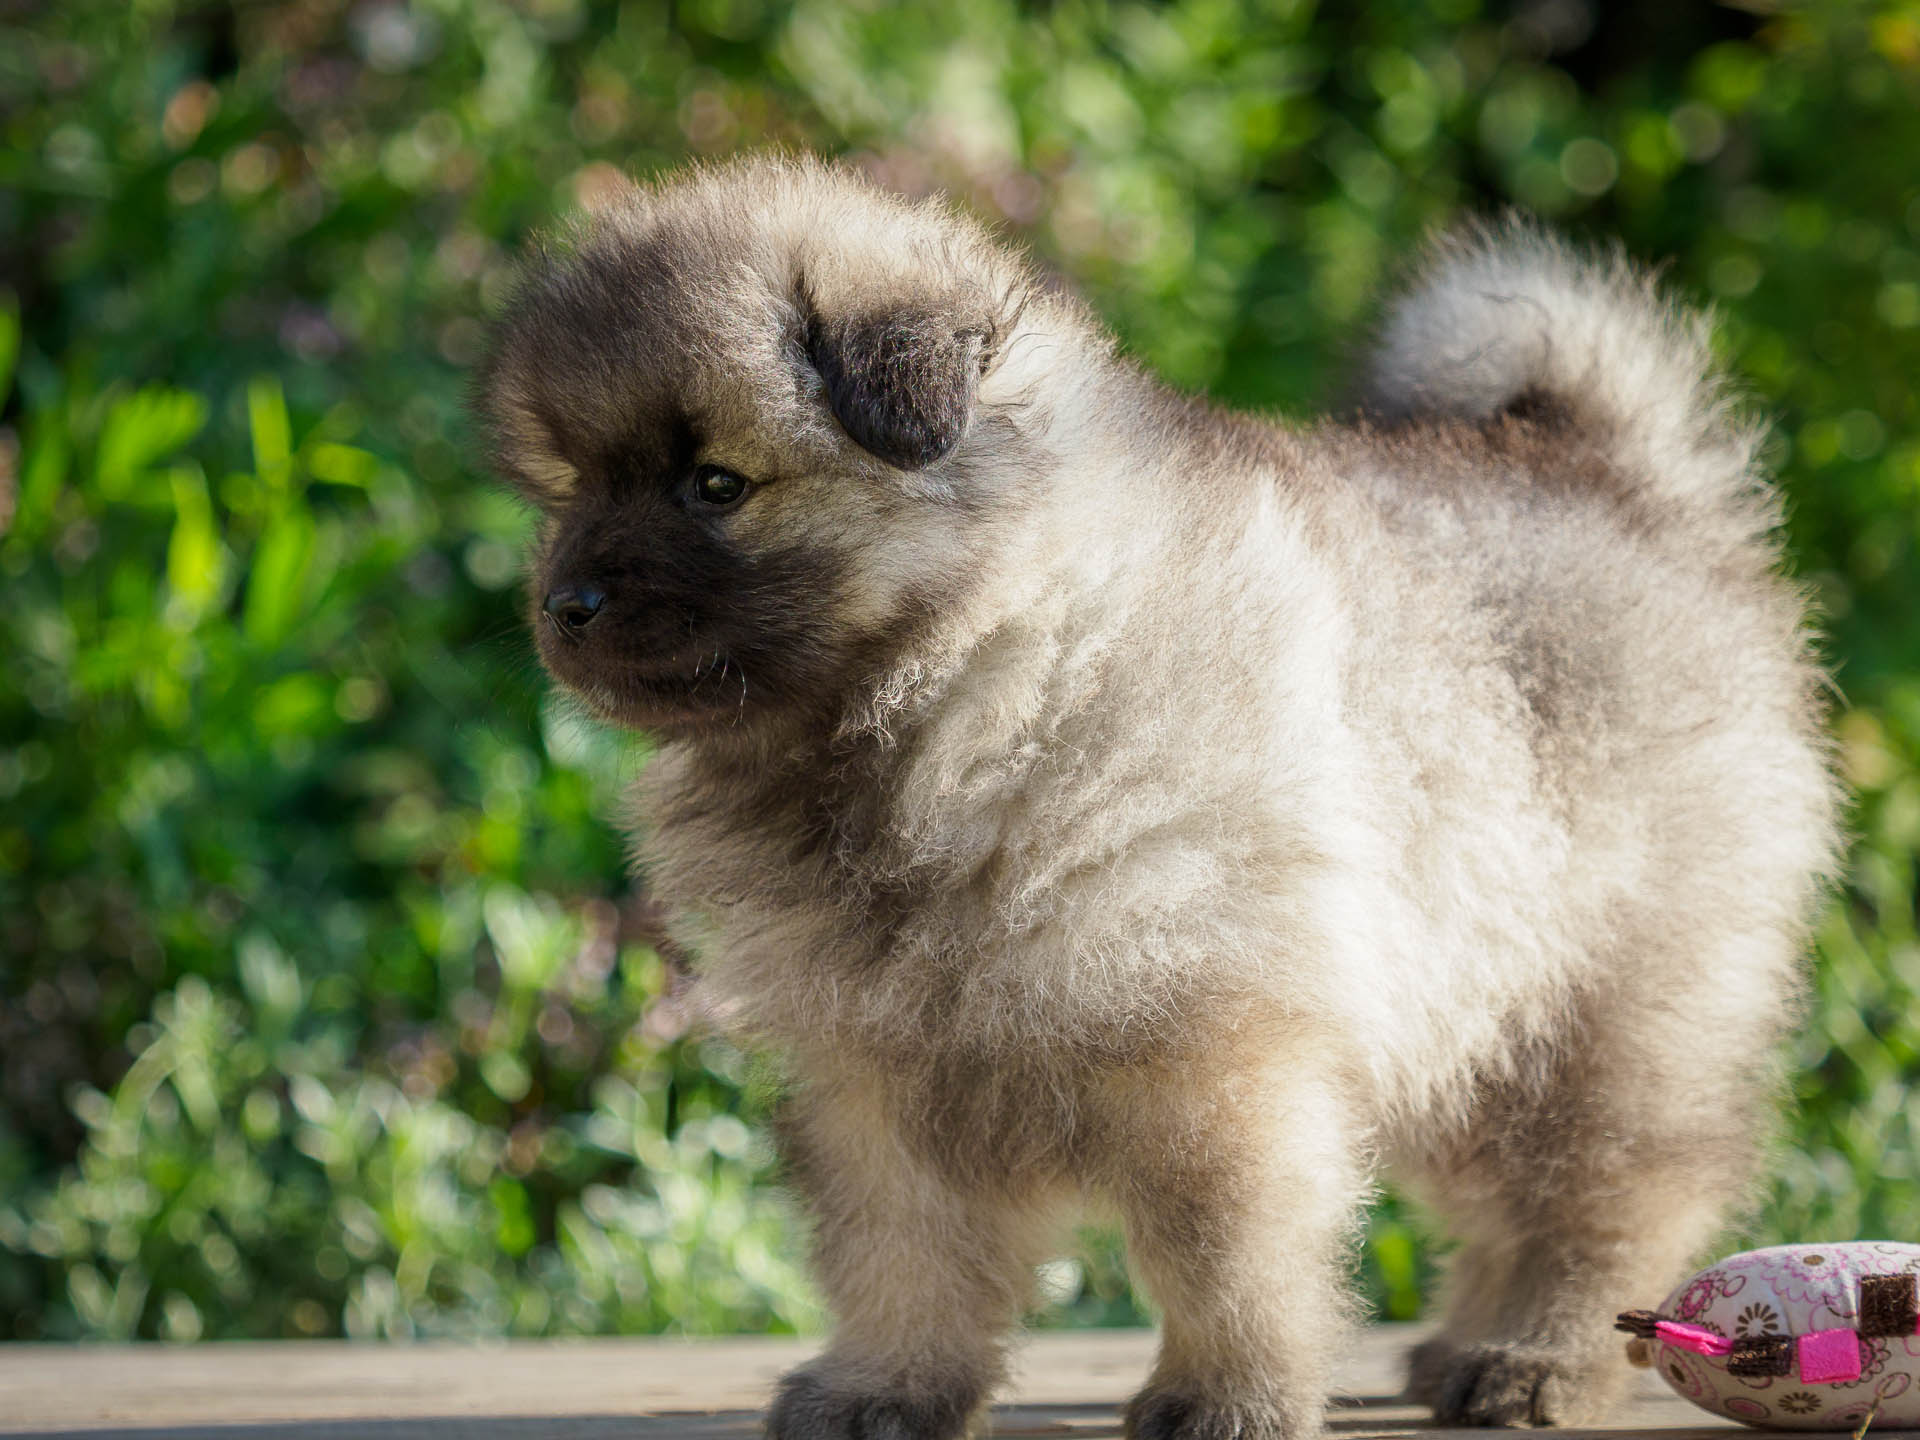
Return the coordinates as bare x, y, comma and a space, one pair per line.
1800, 1337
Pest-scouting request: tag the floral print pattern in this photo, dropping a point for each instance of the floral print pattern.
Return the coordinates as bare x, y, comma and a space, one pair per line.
1792, 1290
1815, 1275
1758, 1319
1693, 1301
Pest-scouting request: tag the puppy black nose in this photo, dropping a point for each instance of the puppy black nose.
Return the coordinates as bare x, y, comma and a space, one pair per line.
572, 607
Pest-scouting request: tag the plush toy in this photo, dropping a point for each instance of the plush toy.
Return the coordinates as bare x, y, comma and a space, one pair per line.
1798, 1337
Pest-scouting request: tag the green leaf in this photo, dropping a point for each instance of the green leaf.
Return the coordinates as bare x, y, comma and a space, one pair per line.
270, 978
271, 430
9, 340
42, 472
342, 465
277, 589
513, 1216
506, 1075
195, 562
140, 430
299, 704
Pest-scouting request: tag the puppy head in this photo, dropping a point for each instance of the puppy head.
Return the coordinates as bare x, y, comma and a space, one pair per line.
748, 406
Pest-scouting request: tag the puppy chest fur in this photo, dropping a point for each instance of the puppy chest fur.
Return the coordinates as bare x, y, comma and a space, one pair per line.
1090, 796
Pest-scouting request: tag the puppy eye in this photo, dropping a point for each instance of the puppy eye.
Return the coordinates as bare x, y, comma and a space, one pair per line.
717, 487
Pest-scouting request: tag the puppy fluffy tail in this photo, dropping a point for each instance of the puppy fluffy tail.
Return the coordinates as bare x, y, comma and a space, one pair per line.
1507, 319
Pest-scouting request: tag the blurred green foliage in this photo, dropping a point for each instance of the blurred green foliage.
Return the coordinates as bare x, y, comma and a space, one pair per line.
325, 1003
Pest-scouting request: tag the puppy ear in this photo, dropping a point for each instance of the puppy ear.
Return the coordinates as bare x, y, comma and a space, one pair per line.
901, 383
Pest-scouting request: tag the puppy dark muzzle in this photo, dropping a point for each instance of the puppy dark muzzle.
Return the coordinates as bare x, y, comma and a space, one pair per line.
571, 608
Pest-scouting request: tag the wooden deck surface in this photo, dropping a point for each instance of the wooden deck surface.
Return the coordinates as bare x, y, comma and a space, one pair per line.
1068, 1385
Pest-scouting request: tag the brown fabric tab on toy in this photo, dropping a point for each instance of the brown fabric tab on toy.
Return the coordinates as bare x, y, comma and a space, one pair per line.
1637, 1322
1889, 1304
1755, 1356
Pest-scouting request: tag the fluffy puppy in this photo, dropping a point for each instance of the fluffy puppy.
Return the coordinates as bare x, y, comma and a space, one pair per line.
1092, 796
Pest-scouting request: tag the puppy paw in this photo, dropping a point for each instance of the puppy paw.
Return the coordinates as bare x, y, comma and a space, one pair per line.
1428, 1364
807, 1407
1496, 1384
1157, 1414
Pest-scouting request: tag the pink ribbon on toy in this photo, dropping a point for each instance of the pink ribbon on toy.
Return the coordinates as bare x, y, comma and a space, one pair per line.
1692, 1337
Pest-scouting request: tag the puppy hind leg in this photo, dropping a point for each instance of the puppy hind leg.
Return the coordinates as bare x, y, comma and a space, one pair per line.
1477, 1277
1553, 1358
1240, 1206
925, 1281
1587, 1191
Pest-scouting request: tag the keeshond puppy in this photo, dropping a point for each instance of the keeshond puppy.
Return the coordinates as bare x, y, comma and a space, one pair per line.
1088, 795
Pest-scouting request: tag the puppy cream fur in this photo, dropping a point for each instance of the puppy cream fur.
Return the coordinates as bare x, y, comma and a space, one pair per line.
1092, 797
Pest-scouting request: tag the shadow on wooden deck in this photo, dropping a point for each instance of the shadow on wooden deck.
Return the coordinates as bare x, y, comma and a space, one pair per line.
1067, 1385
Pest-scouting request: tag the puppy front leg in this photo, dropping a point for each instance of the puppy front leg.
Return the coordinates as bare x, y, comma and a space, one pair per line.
1238, 1206
925, 1280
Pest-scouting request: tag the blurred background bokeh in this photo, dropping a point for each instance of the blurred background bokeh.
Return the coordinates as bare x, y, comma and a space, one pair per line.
326, 1004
